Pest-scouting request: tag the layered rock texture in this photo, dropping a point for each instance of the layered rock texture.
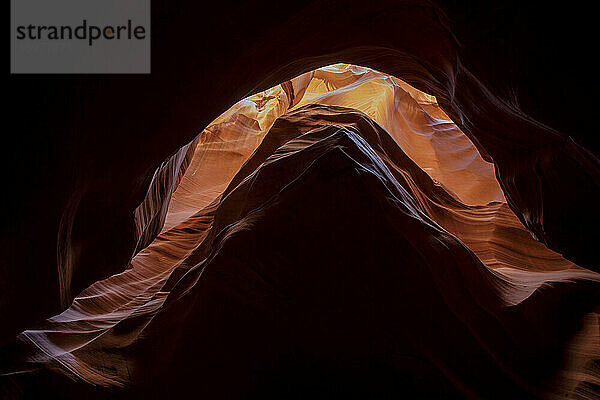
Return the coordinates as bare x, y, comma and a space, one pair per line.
335, 235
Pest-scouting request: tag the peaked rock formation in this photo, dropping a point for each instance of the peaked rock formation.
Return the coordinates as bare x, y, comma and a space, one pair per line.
514, 76
320, 257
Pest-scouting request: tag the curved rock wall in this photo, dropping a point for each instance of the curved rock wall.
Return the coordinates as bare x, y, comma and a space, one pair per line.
313, 218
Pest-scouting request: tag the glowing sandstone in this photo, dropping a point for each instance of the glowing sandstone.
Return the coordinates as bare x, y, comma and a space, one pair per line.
339, 203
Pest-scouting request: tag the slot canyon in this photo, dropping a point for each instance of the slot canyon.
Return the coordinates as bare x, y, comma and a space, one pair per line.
392, 200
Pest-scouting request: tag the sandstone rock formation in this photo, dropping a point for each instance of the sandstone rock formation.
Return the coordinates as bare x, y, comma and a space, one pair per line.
335, 234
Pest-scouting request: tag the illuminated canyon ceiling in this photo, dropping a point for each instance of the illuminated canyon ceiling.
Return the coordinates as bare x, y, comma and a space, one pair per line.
337, 233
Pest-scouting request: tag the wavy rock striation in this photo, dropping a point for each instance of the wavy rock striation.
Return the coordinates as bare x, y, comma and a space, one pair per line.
514, 76
327, 250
